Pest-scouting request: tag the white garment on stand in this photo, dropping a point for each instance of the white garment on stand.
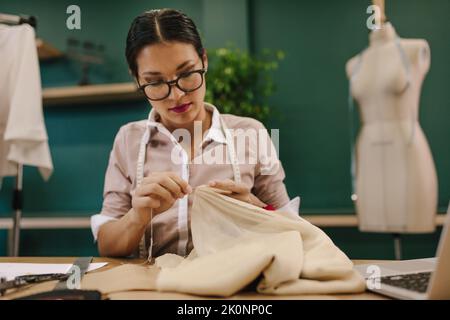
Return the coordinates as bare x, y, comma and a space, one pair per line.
23, 136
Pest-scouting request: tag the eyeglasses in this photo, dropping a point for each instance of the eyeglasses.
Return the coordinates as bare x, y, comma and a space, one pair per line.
186, 82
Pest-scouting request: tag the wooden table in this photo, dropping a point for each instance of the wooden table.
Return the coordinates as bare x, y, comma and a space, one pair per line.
154, 295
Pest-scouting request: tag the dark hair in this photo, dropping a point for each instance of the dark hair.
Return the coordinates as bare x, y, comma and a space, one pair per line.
156, 26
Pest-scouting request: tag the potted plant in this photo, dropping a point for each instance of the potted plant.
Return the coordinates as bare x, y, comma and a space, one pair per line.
241, 83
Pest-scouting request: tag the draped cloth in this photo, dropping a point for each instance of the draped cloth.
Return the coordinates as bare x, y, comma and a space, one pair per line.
237, 244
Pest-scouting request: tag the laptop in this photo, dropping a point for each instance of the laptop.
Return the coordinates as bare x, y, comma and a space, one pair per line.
417, 279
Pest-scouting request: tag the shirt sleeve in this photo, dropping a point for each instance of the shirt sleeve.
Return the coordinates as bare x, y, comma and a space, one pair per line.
269, 173
117, 189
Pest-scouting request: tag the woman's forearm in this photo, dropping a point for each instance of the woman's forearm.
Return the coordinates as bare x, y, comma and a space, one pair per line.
120, 238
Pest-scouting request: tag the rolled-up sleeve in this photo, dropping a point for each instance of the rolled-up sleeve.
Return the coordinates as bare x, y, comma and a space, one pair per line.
117, 188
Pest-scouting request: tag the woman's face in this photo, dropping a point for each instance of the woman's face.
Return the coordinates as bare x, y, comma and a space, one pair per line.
166, 61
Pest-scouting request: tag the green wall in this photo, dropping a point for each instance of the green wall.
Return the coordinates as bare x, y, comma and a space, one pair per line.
318, 38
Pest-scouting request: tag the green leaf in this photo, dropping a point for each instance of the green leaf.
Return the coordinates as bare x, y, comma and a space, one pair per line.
241, 83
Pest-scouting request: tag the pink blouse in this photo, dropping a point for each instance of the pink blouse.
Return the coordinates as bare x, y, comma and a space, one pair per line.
259, 167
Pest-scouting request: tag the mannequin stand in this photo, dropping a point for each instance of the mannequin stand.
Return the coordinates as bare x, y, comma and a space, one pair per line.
17, 207
397, 246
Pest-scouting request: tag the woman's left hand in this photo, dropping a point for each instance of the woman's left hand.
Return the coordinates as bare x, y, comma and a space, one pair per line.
237, 191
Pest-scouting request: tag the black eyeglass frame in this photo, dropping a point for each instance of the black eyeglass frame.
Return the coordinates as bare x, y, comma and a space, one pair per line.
174, 82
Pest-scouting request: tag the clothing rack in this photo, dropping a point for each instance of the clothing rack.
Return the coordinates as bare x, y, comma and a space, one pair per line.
12, 19
17, 201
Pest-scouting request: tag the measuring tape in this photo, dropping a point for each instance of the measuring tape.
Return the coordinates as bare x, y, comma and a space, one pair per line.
183, 222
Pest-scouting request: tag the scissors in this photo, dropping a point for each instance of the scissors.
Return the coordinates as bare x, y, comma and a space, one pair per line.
21, 281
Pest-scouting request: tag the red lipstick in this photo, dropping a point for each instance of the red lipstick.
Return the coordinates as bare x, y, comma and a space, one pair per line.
181, 108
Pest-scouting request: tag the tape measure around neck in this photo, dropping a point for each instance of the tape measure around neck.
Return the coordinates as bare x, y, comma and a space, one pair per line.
231, 152
183, 203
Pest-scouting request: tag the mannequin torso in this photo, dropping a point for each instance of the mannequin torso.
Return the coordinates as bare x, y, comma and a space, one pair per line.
396, 180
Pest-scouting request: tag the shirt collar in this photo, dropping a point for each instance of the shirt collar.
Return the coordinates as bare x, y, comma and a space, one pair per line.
215, 132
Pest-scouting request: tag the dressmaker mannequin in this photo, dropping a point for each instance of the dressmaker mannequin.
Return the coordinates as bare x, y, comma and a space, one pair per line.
396, 182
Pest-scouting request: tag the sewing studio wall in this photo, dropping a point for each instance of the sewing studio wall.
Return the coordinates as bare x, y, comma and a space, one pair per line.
318, 37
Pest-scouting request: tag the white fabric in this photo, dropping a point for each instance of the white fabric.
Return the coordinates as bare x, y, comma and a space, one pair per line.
291, 209
97, 220
23, 136
235, 243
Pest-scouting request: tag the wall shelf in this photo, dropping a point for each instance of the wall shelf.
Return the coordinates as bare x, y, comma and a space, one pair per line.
46, 51
322, 221
98, 93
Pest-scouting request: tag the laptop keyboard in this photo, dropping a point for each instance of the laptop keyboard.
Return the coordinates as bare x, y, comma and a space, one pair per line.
416, 282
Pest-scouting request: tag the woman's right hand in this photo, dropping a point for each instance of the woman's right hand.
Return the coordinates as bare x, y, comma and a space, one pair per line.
159, 191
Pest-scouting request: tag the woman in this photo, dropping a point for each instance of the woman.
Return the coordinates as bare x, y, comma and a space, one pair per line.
152, 171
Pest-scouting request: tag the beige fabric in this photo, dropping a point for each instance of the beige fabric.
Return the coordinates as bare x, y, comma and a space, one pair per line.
120, 178
236, 242
128, 277
396, 180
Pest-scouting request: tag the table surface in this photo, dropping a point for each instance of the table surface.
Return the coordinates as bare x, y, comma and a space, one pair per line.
151, 295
